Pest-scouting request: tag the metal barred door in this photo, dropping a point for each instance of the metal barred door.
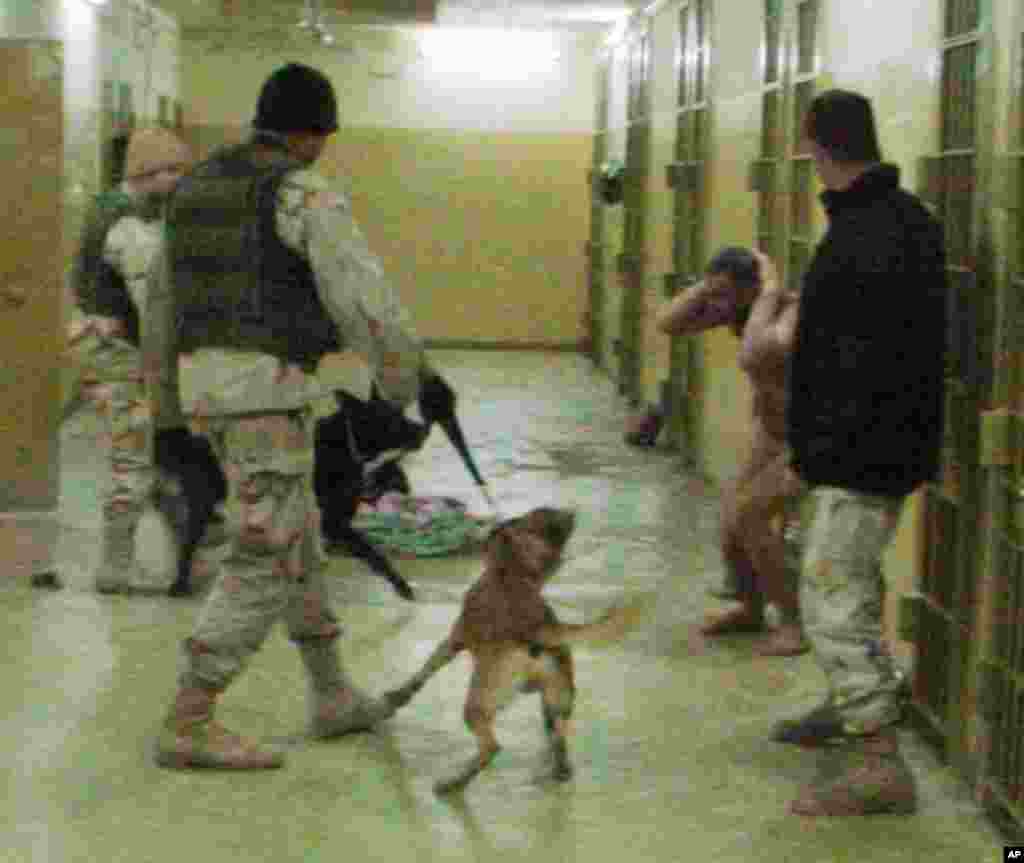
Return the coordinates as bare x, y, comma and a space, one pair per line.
1002, 700
765, 179
686, 175
631, 263
801, 239
595, 250
944, 623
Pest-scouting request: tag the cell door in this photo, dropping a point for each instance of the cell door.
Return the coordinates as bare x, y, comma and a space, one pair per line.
944, 620
1003, 448
595, 249
766, 173
687, 176
782, 177
631, 263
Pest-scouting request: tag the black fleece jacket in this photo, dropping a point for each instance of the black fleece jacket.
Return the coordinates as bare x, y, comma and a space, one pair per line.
867, 371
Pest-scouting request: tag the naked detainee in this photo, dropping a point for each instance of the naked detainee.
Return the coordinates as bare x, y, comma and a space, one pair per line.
757, 504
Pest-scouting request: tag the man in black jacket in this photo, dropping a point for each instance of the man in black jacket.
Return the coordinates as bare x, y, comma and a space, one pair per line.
864, 421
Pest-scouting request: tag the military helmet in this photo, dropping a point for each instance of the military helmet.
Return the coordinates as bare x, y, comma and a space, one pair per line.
297, 98
154, 149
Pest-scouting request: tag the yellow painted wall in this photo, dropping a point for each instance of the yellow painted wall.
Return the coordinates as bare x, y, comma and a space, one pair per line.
31, 139
472, 189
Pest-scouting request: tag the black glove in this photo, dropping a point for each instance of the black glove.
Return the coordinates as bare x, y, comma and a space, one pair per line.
437, 399
171, 448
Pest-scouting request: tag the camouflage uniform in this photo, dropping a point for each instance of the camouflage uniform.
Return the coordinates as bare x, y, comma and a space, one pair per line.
842, 597
259, 416
106, 357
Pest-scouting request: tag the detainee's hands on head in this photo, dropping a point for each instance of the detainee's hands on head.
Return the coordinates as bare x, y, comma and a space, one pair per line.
769, 275
721, 299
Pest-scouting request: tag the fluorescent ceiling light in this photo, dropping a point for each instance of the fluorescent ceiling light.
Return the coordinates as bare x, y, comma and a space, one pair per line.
595, 14
489, 53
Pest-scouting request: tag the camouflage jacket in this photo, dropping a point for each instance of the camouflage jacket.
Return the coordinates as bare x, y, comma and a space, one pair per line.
316, 222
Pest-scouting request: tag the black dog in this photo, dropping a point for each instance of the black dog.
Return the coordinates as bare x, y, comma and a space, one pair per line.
189, 459
356, 449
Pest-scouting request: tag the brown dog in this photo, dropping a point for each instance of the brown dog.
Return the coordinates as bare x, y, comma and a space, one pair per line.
516, 641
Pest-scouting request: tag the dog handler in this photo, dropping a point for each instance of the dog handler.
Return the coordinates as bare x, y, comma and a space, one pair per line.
265, 271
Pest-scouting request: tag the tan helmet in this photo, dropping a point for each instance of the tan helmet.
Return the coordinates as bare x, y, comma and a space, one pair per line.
154, 149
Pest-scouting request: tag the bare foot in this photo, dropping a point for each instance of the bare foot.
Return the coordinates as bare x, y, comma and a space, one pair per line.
787, 640
741, 619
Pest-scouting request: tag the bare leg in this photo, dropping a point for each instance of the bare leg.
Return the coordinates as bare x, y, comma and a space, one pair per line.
749, 615
761, 509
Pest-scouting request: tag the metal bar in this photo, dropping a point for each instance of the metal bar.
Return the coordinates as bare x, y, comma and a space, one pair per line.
951, 42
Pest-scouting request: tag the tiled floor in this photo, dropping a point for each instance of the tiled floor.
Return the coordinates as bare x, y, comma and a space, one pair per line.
670, 747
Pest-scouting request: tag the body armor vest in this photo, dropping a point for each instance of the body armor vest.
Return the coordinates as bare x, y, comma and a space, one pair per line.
236, 284
99, 288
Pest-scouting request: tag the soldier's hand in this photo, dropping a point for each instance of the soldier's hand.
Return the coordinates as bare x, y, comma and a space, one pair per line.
171, 447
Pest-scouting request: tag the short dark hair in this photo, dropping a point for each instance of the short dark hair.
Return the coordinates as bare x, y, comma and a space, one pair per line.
738, 263
842, 123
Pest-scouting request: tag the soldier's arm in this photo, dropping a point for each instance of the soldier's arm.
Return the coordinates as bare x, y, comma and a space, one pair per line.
702, 307
160, 348
318, 224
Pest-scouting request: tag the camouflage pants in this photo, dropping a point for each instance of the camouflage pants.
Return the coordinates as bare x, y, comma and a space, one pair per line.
111, 366
842, 597
270, 572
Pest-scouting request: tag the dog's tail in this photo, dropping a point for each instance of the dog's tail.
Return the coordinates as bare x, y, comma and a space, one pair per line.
610, 626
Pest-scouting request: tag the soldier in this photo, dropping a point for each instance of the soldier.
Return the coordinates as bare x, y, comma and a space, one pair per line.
865, 431
119, 244
264, 272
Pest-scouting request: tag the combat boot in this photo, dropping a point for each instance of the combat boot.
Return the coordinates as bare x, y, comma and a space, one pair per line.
822, 726
49, 580
337, 707
190, 737
866, 776
819, 727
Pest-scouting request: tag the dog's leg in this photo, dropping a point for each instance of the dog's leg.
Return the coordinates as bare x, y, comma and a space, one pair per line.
361, 547
442, 655
558, 695
481, 709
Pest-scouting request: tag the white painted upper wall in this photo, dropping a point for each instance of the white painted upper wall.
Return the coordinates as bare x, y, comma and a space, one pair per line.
453, 79
121, 40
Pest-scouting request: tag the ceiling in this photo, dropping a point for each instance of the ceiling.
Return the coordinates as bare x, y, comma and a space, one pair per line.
196, 16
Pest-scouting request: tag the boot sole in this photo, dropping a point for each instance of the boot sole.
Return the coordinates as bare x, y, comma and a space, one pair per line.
822, 809
180, 761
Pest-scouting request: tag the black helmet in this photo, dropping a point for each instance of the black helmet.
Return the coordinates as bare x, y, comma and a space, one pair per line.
297, 98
